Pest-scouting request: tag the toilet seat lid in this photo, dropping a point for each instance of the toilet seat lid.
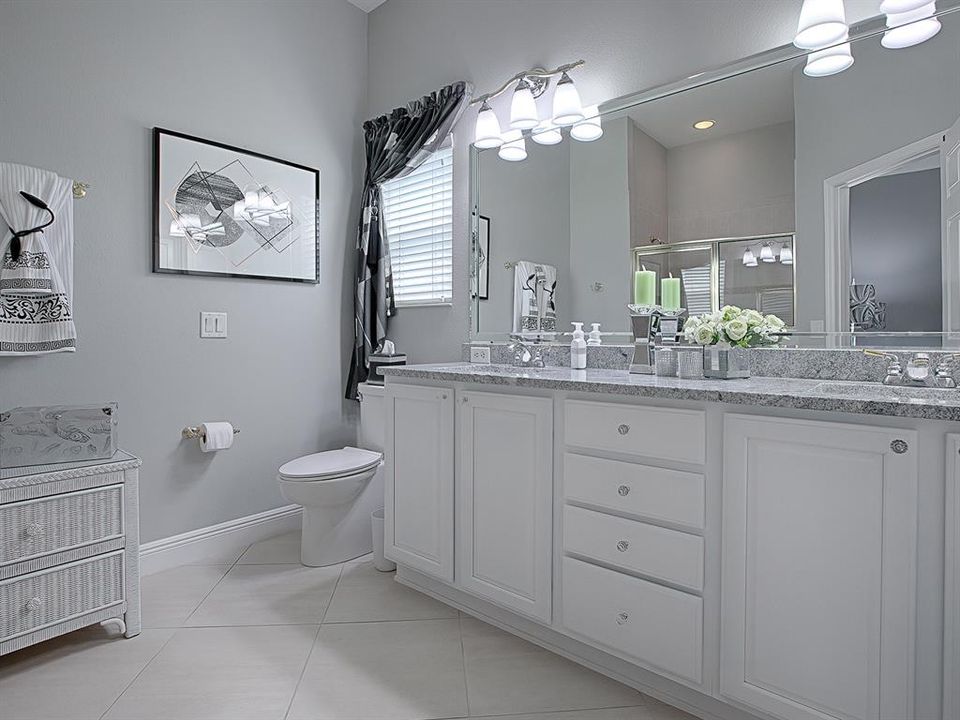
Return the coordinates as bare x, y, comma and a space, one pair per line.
332, 463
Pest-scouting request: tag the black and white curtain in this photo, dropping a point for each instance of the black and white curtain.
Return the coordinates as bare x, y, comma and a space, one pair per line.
396, 144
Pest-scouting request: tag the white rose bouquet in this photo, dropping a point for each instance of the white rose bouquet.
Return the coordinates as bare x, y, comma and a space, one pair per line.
733, 326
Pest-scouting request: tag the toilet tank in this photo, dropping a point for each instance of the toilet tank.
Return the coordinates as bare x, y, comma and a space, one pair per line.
371, 417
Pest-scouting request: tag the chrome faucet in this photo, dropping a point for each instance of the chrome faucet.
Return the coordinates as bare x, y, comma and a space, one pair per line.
918, 371
525, 355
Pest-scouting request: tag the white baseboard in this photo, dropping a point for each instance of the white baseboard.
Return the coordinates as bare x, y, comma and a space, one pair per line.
223, 542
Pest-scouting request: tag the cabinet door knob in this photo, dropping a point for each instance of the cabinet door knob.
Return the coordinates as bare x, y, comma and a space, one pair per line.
34, 604
899, 446
623, 429
622, 618
623, 490
623, 546
34, 530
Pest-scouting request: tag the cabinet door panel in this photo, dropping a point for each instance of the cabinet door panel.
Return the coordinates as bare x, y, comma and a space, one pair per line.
819, 536
505, 491
418, 517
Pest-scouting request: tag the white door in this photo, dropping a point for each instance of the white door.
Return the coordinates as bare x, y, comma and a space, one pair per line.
819, 577
418, 522
505, 500
950, 216
951, 635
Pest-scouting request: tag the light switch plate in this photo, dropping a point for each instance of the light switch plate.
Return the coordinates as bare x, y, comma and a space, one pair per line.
213, 324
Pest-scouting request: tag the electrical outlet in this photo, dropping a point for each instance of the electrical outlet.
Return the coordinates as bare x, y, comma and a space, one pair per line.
213, 324
480, 355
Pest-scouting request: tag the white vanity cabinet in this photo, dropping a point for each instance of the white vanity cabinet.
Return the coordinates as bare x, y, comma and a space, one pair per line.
819, 577
418, 498
504, 519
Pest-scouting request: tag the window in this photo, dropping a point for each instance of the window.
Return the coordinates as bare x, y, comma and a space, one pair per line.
418, 210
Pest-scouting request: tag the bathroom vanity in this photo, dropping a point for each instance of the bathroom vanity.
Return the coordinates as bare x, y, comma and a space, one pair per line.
770, 547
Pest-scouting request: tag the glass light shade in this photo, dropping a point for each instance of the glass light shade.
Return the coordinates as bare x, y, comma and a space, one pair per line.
786, 255
487, 133
176, 230
546, 133
893, 7
589, 128
567, 109
827, 62
749, 259
822, 23
766, 254
523, 108
514, 149
911, 28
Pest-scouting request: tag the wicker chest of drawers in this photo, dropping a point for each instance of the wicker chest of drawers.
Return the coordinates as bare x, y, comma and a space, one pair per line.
69, 549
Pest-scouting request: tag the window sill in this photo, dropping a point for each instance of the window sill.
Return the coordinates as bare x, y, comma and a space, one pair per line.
424, 305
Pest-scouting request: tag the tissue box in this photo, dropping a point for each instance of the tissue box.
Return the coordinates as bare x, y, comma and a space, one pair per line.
380, 361
57, 434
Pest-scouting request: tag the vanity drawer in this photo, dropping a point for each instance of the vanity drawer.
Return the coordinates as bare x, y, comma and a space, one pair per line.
33, 601
652, 624
655, 493
51, 524
660, 553
664, 433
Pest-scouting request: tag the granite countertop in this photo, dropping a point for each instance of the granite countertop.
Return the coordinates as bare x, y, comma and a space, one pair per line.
803, 394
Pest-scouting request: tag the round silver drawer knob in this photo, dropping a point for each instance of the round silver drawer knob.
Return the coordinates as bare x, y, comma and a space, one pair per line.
34, 530
34, 604
623, 546
623, 429
622, 618
623, 490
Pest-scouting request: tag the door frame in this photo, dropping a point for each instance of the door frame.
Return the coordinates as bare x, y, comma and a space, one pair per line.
836, 230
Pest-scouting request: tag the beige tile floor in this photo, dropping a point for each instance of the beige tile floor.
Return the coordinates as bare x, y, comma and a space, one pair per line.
262, 637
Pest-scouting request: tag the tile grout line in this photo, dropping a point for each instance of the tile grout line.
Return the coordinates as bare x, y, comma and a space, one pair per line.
316, 637
463, 661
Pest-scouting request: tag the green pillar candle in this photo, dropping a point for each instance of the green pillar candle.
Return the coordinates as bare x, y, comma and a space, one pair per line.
644, 287
670, 293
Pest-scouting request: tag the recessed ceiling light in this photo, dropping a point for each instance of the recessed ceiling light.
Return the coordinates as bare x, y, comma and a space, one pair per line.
703, 124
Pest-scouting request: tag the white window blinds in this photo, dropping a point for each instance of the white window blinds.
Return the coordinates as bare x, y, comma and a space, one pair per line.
418, 210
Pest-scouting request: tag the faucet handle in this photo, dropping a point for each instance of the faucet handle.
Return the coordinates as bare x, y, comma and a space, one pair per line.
943, 373
894, 369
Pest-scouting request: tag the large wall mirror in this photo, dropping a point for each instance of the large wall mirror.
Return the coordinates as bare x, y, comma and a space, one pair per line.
829, 201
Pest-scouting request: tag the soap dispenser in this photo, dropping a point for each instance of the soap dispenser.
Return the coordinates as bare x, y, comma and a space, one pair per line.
578, 348
594, 337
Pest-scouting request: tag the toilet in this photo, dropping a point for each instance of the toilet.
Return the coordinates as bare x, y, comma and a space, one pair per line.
339, 490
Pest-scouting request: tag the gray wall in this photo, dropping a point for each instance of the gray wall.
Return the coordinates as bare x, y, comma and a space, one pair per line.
735, 186
895, 245
81, 86
887, 100
529, 220
648, 188
419, 45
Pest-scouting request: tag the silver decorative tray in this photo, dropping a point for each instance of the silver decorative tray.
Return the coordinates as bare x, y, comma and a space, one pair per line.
57, 434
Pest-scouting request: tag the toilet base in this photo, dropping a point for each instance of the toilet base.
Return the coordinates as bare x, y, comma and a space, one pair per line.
334, 535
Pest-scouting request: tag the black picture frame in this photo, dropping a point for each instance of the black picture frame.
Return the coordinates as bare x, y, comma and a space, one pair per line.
158, 134
483, 257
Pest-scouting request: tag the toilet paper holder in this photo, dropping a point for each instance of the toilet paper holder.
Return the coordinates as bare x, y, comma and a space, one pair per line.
191, 432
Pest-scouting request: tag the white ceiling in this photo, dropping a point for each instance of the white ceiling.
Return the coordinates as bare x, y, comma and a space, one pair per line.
757, 99
368, 5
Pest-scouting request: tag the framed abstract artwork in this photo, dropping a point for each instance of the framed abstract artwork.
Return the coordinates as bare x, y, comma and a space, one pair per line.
483, 258
221, 210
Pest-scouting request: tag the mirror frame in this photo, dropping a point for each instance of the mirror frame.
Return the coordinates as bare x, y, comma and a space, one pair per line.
872, 27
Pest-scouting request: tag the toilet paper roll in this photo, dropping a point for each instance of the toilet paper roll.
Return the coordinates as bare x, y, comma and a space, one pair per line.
216, 436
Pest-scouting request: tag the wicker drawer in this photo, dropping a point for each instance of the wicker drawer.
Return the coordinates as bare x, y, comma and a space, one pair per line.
33, 601
52, 524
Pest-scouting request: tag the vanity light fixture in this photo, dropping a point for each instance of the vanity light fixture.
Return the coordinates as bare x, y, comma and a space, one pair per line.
822, 23
766, 254
546, 133
829, 61
589, 128
514, 148
749, 259
523, 108
704, 124
487, 133
909, 27
786, 255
